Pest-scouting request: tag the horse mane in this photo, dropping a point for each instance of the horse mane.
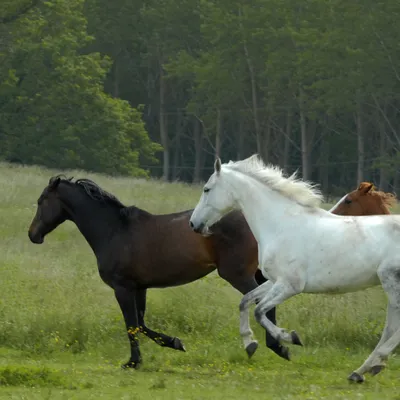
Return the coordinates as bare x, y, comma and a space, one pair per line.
92, 189
95, 192
388, 199
303, 192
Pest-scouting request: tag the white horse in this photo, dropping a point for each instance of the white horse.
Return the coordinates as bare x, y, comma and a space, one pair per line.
324, 253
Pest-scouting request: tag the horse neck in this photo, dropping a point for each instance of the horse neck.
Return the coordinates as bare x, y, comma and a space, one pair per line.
96, 221
262, 206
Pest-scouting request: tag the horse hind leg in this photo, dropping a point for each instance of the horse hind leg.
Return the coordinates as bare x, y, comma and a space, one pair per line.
390, 338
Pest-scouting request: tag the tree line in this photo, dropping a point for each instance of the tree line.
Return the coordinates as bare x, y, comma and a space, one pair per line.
162, 86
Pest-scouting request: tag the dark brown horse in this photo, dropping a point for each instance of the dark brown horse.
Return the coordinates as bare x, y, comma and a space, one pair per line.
134, 253
124, 240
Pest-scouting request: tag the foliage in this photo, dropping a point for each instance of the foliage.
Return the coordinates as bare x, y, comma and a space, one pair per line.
53, 108
310, 85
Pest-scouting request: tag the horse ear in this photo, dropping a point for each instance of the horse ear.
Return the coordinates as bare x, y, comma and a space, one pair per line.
217, 165
365, 187
54, 182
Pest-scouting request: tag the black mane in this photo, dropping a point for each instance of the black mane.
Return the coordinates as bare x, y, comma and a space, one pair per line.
95, 192
92, 189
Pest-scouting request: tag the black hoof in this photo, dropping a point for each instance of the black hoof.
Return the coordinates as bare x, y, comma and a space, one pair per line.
295, 339
131, 365
279, 350
355, 377
251, 348
284, 353
376, 369
177, 344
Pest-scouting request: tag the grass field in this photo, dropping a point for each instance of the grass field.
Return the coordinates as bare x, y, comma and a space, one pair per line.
62, 335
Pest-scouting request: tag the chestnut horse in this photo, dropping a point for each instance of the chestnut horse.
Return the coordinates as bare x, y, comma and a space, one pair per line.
364, 201
133, 252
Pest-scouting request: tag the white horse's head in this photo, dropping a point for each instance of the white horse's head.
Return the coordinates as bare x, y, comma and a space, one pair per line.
214, 203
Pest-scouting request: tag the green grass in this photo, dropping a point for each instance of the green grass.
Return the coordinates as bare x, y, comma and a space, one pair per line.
62, 335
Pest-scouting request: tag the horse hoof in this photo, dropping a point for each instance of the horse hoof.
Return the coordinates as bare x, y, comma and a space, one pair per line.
131, 365
284, 353
177, 344
295, 338
251, 349
356, 377
376, 369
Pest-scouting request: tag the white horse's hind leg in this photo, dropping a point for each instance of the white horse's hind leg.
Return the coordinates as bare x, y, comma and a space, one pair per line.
375, 362
279, 292
390, 339
245, 331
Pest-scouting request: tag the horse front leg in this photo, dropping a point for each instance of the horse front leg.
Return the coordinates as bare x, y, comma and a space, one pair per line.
269, 295
127, 302
160, 338
243, 279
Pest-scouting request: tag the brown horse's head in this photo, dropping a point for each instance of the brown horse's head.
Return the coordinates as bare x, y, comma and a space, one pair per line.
49, 213
365, 201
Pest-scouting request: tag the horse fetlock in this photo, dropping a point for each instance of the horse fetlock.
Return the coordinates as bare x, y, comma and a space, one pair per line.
376, 369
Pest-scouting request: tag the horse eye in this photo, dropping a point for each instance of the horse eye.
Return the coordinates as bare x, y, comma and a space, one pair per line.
347, 201
206, 190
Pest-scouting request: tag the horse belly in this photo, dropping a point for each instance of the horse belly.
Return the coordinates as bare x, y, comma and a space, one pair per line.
343, 281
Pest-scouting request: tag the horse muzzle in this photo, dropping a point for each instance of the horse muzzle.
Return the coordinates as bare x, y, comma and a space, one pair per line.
35, 237
201, 228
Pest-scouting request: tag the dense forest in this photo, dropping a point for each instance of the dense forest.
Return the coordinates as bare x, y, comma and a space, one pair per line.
159, 87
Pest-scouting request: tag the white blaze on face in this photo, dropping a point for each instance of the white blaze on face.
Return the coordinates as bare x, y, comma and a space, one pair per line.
338, 204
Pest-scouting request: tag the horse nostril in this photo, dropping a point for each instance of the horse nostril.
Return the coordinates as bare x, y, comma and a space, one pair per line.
191, 224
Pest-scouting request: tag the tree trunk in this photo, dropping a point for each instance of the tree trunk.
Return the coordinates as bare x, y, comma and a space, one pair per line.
383, 181
324, 168
286, 148
163, 127
254, 98
198, 148
240, 141
218, 134
253, 83
266, 142
360, 145
396, 182
304, 139
177, 147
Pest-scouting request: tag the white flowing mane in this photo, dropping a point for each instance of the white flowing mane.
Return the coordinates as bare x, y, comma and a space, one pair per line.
304, 193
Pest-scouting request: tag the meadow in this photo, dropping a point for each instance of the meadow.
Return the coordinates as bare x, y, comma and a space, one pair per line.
62, 335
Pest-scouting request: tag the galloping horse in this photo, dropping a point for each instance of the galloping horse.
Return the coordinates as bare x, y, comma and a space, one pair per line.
124, 238
324, 253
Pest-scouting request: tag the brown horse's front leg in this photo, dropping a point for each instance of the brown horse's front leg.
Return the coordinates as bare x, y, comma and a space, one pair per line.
160, 338
127, 302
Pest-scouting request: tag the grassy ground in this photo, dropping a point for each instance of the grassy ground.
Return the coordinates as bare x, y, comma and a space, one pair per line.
62, 335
